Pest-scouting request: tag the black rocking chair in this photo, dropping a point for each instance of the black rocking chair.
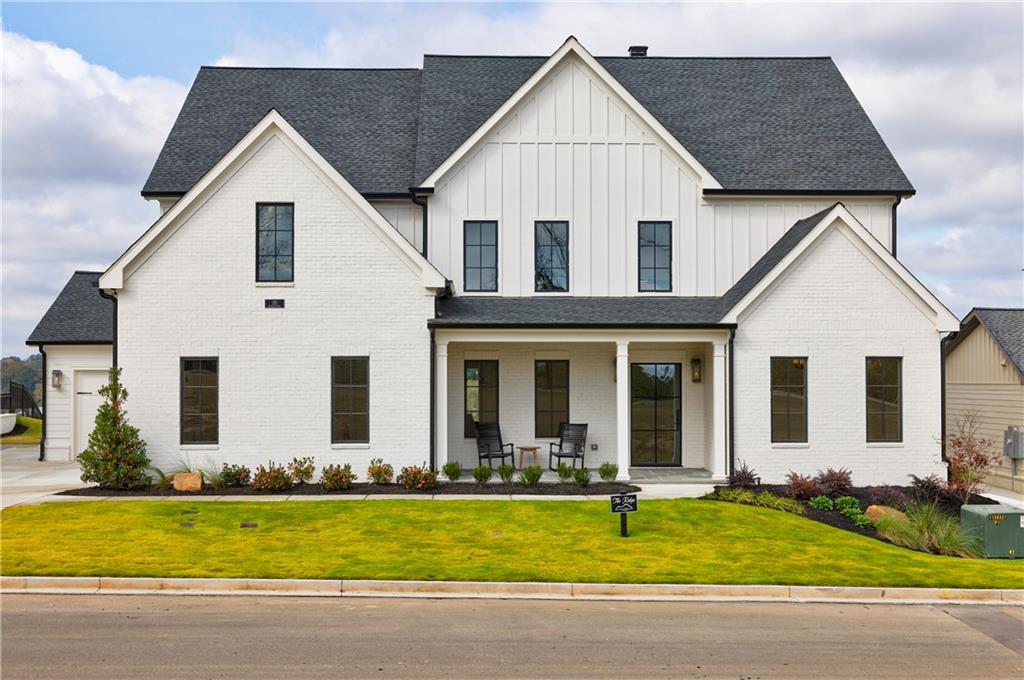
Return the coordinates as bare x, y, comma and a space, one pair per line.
572, 443
490, 446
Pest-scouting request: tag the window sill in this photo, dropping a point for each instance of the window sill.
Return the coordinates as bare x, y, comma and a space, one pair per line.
791, 445
199, 447
353, 445
275, 284
885, 445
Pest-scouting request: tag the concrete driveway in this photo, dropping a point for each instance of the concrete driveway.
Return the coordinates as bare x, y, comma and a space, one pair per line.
24, 478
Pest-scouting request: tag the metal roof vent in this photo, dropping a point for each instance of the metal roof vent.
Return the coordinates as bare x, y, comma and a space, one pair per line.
638, 50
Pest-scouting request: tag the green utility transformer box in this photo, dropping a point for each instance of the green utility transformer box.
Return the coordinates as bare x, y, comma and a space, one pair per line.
1000, 528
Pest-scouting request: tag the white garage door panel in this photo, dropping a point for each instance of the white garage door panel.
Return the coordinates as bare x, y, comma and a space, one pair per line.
87, 400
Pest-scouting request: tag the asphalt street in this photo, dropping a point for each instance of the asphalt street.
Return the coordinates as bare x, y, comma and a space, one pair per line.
104, 636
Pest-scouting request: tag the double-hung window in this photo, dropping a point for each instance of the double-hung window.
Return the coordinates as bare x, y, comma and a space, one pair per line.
789, 399
350, 400
199, 388
480, 256
655, 255
884, 405
481, 393
551, 396
551, 257
274, 242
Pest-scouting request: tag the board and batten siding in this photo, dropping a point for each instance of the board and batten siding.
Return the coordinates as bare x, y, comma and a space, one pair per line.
405, 216
571, 150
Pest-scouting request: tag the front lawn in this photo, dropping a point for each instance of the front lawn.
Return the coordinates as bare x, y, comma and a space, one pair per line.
672, 541
26, 432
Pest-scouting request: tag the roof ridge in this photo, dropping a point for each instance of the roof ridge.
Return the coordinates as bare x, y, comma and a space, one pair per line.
997, 309
637, 59
309, 68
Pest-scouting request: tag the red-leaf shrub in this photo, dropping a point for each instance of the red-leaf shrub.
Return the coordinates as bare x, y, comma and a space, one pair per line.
970, 457
417, 477
235, 475
834, 483
337, 477
744, 477
380, 472
892, 496
271, 478
301, 469
802, 487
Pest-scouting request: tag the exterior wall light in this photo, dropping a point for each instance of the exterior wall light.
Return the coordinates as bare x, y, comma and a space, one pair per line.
696, 370
55, 379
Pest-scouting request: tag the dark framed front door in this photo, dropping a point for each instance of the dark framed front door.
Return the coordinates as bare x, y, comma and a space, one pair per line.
655, 414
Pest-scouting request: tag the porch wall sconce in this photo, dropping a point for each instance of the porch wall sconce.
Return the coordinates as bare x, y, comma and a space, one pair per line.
696, 370
55, 379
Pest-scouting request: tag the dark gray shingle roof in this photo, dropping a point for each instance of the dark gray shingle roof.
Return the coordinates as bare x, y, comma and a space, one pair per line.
778, 124
1007, 328
78, 316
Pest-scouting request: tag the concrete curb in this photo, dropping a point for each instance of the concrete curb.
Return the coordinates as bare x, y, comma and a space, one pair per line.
107, 585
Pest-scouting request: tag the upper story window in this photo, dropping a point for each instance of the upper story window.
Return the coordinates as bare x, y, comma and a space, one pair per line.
350, 400
655, 252
789, 399
480, 256
199, 402
884, 377
274, 241
551, 257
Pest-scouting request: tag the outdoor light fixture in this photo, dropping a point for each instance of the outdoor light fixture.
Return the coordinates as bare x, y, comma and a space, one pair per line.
55, 379
696, 371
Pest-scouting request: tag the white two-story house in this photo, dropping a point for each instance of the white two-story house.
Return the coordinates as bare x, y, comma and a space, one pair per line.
694, 257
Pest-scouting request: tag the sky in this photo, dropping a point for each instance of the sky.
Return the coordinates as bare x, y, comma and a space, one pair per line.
90, 91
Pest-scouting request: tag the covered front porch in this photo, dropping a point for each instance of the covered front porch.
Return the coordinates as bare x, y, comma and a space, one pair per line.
654, 401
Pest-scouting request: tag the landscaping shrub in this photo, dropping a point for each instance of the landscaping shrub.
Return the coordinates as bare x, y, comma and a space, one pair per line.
929, 529
930, 489
530, 476
852, 513
271, 478
822, 503
116, 455
581, 476
802, 487
337, 477
507, 473
235, 475
452, 470
744, 477
417, 477
482, 474
213, 478
564, 473
862, 521
765, 499
891, 496
847, 503
970, 457
608, 472
380, 472
301, 470
834, 483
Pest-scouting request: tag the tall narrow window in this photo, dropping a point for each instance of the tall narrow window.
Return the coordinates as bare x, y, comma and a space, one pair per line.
199, 386
884, 377
274, 232
789, 399
655, 252
481, 394
551, 257
350, 400
550, 396
480, 244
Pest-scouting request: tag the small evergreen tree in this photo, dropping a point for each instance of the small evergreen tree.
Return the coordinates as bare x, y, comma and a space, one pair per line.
116, 456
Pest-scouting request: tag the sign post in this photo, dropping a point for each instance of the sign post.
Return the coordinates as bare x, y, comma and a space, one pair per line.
622, 505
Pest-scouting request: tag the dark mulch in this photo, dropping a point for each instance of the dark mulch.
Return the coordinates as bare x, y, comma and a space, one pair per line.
362, 488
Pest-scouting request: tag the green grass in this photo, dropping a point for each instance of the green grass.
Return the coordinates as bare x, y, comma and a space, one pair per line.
29, 436
672, 541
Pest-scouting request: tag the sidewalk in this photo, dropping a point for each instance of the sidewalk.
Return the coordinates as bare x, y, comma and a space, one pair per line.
26, 479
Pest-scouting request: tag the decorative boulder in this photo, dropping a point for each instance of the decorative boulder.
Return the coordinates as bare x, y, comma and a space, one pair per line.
188, 481
877, 512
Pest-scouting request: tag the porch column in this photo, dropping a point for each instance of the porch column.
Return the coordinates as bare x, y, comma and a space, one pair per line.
441, 403
719, 454
622, 408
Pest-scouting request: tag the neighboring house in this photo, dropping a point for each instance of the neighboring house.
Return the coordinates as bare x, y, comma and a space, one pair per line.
985, 377
695, 257
75, 337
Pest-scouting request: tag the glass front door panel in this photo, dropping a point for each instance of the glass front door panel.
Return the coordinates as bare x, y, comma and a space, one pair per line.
655, 414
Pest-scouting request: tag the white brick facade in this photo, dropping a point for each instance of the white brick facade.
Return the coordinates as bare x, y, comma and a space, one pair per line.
196, 295
837, 307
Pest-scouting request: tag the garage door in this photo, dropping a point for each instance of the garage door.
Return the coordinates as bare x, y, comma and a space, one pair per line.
87, 400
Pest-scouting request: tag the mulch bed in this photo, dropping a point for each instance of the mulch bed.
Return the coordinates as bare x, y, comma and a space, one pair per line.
363, 489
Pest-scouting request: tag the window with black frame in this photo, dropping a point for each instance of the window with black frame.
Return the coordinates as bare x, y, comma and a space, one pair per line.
481, 393
655, 256
884, 399
789, 399
199, 400
350, 400
551, 396
551, 257
480, 256
274, 242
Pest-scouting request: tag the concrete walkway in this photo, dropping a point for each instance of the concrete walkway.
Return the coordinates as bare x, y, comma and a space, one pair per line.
25, 479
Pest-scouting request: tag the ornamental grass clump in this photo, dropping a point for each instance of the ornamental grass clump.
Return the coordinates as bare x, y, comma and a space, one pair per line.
581, 476
301, 470
452, 470
337, 477
928, 528
530, 476
116, 455
418, 477
507, 473
764, 499
273, 477
564, 473
380, 472
482, 474
608, 472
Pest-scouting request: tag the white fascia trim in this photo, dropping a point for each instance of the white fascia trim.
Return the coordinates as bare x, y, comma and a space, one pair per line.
571, 45
945, 320
113, 277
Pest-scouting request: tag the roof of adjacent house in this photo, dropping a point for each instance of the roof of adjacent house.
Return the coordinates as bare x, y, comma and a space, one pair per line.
1004, 324
78, 316
757, 124
538, 311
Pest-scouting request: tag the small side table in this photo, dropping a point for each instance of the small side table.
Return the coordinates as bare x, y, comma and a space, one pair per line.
532, 450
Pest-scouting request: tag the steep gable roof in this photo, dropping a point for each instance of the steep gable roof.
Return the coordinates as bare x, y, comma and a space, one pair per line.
78, 316
1005, 325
